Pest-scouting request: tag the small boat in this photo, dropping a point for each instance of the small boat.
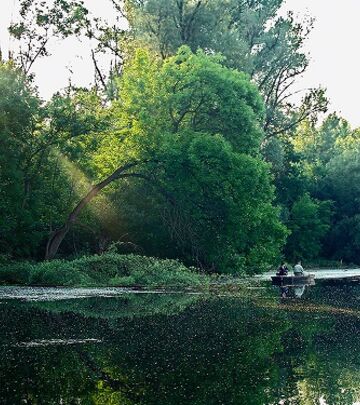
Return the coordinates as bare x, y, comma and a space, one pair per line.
309, 279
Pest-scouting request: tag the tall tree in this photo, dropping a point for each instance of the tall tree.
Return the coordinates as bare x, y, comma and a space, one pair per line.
252, 37
190, 128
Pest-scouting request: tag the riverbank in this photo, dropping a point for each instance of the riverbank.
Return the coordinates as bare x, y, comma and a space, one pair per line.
108, 270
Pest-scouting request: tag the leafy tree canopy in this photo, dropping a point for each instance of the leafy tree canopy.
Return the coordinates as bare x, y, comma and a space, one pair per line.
250, 35
197, 124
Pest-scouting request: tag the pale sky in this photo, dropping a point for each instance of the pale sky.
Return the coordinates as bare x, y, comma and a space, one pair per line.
334, 51
332, 45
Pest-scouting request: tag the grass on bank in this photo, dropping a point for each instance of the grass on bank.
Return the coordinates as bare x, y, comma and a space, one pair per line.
107, 270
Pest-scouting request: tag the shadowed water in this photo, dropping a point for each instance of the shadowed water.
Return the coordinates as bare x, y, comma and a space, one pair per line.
115, 347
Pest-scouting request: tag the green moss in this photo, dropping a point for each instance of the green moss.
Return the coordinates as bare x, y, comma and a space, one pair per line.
110, 269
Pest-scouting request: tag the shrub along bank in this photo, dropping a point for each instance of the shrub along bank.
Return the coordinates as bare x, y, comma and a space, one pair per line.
110, 269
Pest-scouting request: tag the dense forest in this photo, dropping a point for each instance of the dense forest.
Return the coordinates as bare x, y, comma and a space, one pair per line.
187, 145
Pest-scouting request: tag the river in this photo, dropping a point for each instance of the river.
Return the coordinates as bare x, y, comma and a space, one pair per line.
114, 346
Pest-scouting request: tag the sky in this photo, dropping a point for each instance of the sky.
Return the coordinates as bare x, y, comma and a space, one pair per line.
334, 51
332, 46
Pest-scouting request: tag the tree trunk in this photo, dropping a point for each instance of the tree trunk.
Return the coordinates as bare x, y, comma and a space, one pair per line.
58, 236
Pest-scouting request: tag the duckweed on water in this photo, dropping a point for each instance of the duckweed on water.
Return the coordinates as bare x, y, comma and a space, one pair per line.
180, 349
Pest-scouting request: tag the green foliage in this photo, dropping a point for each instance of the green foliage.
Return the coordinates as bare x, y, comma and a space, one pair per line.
309, 222
106, 270
34, 192
16, 274
19, 109
224, 199
341, 184
205, 193
188, 92
252, 37
200, 123
321, 161
318, 145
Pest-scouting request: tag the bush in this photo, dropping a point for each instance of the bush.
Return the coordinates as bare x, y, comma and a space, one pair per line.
19, 273
110, 269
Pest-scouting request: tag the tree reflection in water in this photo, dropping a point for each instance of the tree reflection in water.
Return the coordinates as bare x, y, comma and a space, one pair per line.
183, 349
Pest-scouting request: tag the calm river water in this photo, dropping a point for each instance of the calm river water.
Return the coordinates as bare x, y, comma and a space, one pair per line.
114, 347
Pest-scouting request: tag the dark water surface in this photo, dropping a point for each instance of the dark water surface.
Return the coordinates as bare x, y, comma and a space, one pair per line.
115, 347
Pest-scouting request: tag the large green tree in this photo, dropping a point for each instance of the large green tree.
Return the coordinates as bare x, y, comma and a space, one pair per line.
190, 130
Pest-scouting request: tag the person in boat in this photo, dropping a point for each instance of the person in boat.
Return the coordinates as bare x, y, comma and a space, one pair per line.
299, 270
284, 292
282, 270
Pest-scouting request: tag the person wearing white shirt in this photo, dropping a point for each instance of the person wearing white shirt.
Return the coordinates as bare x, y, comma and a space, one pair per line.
299, 270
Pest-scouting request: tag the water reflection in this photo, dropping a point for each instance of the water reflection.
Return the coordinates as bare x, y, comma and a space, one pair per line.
182, 349
293, 291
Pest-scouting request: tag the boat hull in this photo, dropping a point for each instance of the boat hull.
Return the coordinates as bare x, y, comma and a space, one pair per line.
293, 280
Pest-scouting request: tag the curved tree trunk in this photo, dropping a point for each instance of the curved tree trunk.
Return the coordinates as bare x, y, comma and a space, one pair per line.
58, 236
